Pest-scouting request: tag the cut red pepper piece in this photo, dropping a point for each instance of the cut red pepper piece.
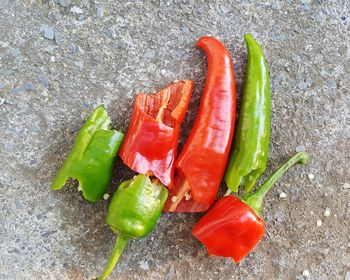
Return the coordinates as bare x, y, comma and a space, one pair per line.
230, 229
150, 146
201, 164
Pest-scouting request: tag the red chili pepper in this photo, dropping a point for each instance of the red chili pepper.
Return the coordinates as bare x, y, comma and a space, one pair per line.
201, 164
232, 227
150, 145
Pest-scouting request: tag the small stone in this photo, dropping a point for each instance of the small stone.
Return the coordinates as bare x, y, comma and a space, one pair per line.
274, 6
15, 52
225, 9
331, 84
346, 186
109, 33
79, 64
81, 18
4, 44
319, 223
47, 233
18, 204
303, 85
29, 86
48, 32
306, 273
17, 90
73, 48
99, 12
150, 53
278, 36
106, 196
304, 7
50, 49
185, 29
327, 212
318, 18
300, 148
278, 215
144, 265
58, 37
10, 102
311, 176
53, 59
308, 2
43, 80
76, 10
282, 195
63, 3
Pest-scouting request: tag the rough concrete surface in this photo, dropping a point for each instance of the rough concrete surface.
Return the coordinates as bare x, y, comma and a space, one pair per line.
60, 59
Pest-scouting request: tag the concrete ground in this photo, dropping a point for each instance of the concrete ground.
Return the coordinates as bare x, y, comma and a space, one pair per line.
61, 58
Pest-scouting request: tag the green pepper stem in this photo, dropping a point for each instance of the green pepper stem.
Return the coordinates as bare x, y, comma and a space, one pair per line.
113, 259
255, 200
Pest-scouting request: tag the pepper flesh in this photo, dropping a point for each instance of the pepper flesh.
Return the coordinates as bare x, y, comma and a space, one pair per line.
201, 164
136, 207
249, 152
150, 146
133, 212
92, 157
232, 227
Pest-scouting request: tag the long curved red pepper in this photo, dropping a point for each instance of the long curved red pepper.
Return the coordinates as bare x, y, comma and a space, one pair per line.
150, 146
201, 164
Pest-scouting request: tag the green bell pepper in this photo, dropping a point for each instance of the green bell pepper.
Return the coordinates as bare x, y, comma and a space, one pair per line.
92, 157
248, 156
133, 212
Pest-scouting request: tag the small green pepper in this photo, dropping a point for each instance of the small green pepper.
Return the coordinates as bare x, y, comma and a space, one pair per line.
248, 156
92, 157
133, 212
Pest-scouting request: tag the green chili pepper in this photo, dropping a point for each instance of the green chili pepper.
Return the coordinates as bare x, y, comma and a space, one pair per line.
92, 157
133, 212
248, 156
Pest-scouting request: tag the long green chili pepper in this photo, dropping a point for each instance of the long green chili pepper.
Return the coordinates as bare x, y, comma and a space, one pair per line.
248, 156
133, 212
92, 157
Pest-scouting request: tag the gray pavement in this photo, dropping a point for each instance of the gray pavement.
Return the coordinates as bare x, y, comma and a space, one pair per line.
60, 59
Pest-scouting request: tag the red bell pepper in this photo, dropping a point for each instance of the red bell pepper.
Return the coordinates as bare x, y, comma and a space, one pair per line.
233, 227
150, 145
201, 164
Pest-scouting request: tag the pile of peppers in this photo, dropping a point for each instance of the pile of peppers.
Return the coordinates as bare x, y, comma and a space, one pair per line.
188, 182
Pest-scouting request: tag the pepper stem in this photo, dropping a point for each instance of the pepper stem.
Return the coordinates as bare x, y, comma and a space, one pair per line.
113, 259
255, 200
